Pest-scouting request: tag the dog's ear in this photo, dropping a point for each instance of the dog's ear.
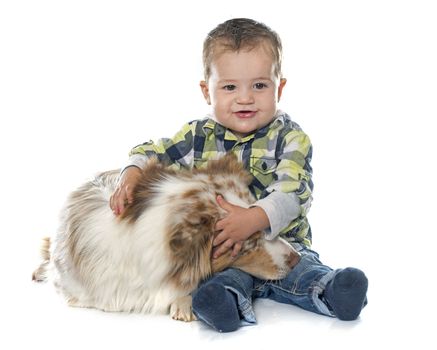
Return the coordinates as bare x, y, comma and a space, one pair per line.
190, 245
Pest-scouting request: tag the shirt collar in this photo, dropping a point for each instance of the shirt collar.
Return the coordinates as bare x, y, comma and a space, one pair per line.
211, 125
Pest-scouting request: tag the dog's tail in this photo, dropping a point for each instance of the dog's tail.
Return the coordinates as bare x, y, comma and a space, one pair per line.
40, 274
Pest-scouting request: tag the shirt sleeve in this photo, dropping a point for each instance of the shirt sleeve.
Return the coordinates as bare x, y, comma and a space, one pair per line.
280, 208
289, 196
176, 150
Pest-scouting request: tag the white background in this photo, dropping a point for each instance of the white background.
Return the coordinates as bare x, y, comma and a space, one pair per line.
81, 82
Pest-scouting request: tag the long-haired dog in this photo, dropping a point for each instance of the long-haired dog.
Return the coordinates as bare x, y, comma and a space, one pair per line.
153, 256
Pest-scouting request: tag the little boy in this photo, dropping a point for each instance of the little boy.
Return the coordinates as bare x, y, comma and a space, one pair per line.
243, 83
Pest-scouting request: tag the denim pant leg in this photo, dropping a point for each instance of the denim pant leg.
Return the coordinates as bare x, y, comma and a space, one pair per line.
241, 284
303, 286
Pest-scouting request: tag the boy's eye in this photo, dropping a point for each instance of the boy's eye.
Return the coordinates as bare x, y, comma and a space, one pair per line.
259, 86
229, 87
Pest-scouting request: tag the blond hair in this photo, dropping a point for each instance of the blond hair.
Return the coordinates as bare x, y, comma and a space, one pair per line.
241, 34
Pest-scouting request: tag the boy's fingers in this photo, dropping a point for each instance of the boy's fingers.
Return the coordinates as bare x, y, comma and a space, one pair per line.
129, 196
223, 248
219, 225
223, 203
114, 203
118, 204
219, 239
215, 253
236, 249
218, 252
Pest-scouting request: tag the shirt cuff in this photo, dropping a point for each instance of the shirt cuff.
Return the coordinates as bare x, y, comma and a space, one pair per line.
281, 208
138, 160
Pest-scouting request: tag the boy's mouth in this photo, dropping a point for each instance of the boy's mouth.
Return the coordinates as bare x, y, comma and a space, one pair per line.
245, 114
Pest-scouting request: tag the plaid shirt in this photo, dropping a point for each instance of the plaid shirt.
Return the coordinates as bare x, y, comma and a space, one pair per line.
277, 155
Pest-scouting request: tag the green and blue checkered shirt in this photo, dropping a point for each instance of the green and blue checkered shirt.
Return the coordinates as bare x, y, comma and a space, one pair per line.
277, 155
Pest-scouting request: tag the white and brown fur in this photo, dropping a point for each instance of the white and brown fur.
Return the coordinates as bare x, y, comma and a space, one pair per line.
152, 257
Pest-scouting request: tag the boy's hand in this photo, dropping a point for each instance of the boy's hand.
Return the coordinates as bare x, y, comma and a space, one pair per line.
237, 226
123, 194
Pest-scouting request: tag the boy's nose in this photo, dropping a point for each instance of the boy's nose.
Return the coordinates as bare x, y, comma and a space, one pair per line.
245, 97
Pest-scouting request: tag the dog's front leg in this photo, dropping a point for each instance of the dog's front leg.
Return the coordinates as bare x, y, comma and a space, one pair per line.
181, 309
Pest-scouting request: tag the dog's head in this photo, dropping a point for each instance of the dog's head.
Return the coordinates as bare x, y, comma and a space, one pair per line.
192, 228
190, 246
265, 259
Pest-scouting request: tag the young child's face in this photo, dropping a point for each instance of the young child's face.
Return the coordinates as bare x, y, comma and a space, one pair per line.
243, 90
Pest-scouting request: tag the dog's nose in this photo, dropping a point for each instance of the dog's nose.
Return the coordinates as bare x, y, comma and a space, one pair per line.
292, 259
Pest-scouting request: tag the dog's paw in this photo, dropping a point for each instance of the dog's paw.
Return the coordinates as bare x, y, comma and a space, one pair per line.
181, 309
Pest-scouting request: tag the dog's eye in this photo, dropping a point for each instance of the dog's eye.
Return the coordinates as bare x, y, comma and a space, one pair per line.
205, 220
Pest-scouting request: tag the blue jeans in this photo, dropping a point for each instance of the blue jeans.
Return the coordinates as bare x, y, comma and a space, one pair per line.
303, 287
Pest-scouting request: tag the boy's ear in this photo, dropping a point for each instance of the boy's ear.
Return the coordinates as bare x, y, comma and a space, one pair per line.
282, 83
205, 91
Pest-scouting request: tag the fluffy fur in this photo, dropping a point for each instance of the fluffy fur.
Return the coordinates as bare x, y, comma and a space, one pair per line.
152, 257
